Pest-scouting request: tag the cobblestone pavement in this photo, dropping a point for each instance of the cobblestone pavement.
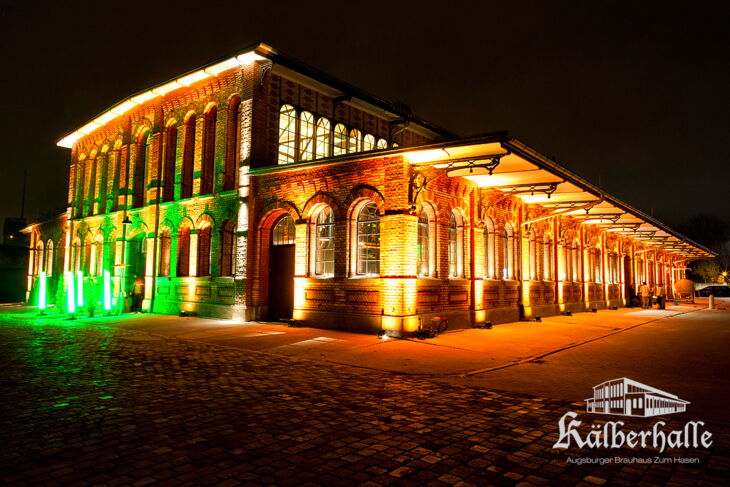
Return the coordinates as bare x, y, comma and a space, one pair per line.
89, 405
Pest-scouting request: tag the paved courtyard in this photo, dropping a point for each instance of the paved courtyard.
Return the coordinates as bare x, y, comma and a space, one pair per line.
85, 404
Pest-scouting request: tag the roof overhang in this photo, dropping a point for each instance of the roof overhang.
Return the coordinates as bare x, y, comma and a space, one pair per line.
502, 163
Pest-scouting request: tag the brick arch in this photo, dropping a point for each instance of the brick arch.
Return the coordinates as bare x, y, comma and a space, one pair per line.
143, 125
167, 223
186, 221
365, 192
206, 218
283, 205
322, 198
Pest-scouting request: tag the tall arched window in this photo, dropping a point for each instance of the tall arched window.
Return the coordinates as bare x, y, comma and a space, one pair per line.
232, 140
547, 258
306, 136
38, 263
368, 142
323, 144
354, 142
489, 254
165, 238
507, 253
76, 255
575, 257
49, 257
78, 172
168, 179
324, 234
287, 134
597, 265
99, 255
532, 258
183, 252
368, 241
424, 242
207, 169
87, 256
204, 251
139, 170
456, 238
227, 245
186, 182
340, 140
92, 162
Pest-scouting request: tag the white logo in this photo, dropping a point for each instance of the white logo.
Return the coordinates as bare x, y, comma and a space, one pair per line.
626, 397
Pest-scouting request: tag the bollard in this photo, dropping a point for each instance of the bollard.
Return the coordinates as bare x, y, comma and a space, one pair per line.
711, 302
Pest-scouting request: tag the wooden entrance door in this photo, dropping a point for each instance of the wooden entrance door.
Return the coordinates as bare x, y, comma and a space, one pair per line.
281, 270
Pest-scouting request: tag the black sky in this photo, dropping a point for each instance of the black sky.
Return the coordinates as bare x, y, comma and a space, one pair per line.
633, 97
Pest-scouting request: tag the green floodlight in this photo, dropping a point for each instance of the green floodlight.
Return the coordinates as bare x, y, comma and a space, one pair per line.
107, 290
80, 286
70, 295
42, 291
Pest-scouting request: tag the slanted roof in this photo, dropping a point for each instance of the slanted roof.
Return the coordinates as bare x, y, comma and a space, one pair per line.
502, 162
256, 52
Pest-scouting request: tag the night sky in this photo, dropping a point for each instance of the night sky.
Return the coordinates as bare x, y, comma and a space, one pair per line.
634, 99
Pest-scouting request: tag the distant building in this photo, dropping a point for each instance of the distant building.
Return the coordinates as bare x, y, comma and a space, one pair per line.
259, 188
627, 397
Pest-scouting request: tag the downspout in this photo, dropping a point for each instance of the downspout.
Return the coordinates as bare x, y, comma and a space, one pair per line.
518, 268
472, 260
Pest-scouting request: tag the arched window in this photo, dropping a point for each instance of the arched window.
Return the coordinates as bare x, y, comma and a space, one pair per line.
186, 182
38, 263
456, 238
507, 253
75, 255
597, 265
340, 140
49, 257
287, 134
99, 255
575, 257
87, 256
368, 241
489, 257
423, 244
547, 258
232, 140
324, 234
208, 164
382, 144
204, 251
79, 181
183, 252
368, 142
168, 179
92, 163
306, 136
323, 144
227, 245
355, 142
284, 232
139, 170
532, 258
165, 238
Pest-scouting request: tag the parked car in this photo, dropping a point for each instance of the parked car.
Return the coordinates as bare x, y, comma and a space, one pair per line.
717, 291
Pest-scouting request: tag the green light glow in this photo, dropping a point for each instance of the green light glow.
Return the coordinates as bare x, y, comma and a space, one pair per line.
80, 291
70, 297
42, 291
107, 290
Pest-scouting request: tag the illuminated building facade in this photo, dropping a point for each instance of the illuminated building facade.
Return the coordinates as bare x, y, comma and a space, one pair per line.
258, 188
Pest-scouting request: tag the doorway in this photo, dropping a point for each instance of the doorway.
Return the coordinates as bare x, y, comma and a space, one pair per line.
281, 270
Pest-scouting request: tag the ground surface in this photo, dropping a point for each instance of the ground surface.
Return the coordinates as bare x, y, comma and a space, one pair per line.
85, 404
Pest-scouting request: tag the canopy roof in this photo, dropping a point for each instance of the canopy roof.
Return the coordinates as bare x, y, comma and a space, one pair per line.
503, 163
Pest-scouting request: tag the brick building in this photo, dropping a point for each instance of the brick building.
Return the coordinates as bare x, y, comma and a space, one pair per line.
259, 188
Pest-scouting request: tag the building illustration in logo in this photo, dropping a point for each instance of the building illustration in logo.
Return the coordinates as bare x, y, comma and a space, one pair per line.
626, 397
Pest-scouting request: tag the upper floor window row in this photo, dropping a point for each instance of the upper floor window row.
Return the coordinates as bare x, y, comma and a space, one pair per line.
305, 137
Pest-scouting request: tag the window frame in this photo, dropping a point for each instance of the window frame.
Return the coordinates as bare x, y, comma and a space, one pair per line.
363, 267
